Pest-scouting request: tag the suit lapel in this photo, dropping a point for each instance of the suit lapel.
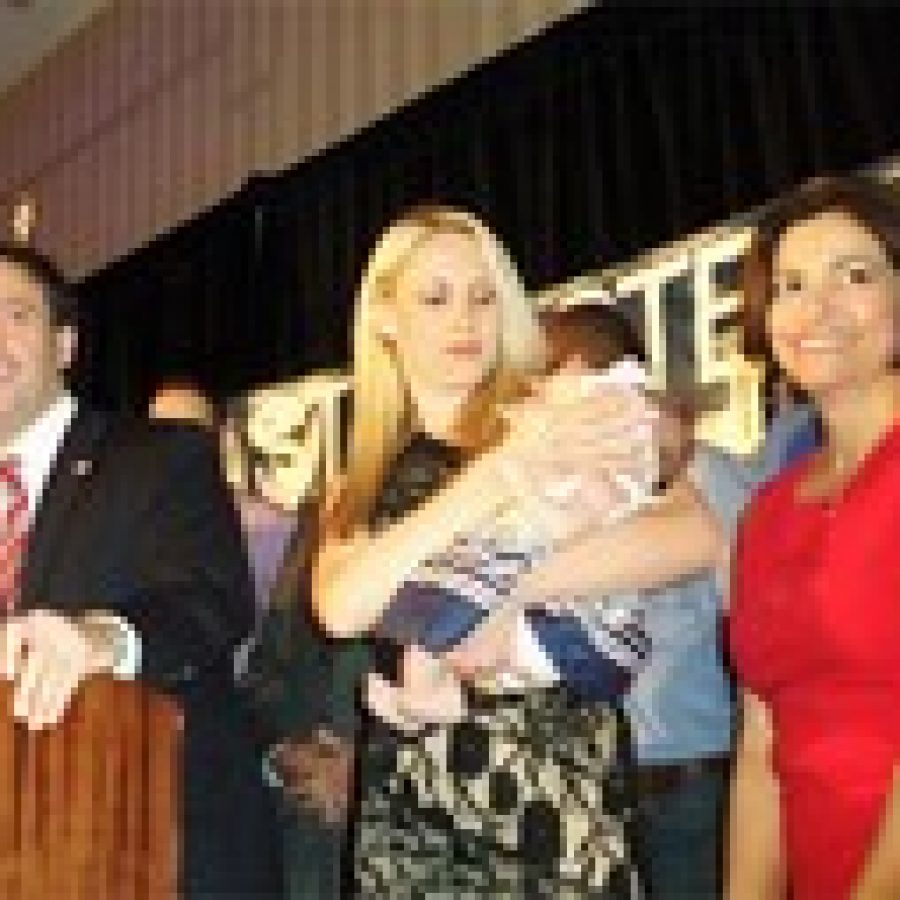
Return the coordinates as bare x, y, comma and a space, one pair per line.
68, 484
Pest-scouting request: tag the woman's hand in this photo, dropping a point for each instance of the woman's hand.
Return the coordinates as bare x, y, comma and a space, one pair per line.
584, 455
428, 694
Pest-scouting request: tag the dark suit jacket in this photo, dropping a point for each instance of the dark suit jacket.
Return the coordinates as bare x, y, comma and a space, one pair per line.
136, 520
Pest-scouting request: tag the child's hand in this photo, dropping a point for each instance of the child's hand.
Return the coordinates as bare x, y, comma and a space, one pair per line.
488, 650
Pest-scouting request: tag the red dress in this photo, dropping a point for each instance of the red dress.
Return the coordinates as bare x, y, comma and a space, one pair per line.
815, 631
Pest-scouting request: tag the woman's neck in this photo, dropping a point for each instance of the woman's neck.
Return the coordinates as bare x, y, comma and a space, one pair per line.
856, 418
437, 412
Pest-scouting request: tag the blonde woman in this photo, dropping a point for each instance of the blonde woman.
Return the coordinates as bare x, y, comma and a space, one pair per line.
528, 800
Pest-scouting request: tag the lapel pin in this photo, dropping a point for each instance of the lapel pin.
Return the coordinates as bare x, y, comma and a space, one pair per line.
82, 467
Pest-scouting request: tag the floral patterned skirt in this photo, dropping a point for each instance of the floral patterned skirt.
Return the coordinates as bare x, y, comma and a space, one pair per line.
528, 797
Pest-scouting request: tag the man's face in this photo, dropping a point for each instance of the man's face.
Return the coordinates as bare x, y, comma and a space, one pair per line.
33, 352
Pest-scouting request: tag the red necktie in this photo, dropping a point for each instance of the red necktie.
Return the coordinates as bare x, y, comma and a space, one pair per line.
13, 532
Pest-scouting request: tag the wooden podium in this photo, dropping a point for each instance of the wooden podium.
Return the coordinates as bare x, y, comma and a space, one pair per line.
89, 809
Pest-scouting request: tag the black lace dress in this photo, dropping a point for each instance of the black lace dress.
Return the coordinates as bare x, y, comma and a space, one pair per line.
529, 797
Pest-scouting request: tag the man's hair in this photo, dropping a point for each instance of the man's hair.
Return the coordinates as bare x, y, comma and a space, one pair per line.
59, 295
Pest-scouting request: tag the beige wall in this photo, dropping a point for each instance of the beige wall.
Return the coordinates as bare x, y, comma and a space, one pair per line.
158, 108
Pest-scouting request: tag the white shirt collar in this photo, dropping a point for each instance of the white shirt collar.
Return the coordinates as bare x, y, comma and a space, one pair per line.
36, 447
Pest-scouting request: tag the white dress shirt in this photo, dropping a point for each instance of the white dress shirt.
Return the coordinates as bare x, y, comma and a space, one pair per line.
35, 450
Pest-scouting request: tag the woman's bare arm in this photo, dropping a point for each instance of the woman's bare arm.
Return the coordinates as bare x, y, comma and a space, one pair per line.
754, 857
354, 580
661, 544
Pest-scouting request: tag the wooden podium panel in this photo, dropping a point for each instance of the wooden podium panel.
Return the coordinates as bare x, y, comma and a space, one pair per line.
89, 809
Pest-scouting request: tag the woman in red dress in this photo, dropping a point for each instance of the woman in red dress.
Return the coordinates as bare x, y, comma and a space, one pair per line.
814, 625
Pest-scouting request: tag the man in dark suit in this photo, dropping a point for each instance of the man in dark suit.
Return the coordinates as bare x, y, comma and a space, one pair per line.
120, 553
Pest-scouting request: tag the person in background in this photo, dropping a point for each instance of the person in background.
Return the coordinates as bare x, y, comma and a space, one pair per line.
305, 689
814, 621
266, 522
182, 399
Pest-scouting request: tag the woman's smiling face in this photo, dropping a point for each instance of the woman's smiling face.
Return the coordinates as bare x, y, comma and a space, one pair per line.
832, 317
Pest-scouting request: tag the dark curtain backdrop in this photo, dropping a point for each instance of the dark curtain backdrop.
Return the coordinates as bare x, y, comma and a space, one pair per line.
618, 129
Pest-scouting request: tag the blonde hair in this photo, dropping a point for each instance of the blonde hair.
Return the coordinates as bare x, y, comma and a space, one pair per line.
381, 408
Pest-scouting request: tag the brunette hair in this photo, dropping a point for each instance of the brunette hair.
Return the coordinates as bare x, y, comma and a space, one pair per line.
874, 204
